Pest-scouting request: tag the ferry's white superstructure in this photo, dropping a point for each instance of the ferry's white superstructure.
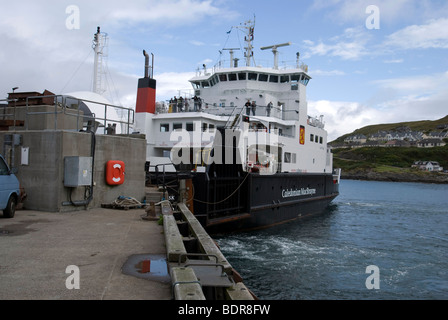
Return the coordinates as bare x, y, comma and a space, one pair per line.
262, 113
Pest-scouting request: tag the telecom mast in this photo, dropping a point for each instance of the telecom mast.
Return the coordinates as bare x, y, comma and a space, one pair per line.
99, 44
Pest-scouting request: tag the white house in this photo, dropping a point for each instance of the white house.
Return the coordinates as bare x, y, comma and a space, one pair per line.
428, 166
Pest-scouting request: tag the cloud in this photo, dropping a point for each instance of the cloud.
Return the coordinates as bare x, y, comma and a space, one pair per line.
171, 12
342, 117
197, 43
433, 34
394, 61
351, 45
170, 83
327, 73
40, 52
396, 100
391, 12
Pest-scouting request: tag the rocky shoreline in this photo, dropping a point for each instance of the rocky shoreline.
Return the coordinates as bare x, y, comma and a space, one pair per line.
371, 175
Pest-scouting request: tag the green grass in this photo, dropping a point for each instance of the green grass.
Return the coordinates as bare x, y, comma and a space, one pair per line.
398, 160
423, 126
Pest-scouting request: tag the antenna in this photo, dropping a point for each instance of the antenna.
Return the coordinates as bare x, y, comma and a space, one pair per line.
99, 43
249, 27
275, 51
231, 56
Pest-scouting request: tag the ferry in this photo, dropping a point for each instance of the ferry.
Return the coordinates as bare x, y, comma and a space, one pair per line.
243, 136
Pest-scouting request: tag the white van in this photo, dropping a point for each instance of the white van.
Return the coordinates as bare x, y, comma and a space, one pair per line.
9, 190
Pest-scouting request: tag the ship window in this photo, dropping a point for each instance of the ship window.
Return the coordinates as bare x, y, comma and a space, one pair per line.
287, 157
316, 139
294, 158
204, 127
295, 78
222, 77
321, 140
253, 76
190, 126
242, 76
177, 126
213, 81
311, 137
165, 127
263, 77
196, 85
273, 79
232, 77
284, 79
305, 81
211, 127
205, 84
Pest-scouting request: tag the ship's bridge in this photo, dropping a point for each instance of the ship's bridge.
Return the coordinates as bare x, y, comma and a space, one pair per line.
251, 77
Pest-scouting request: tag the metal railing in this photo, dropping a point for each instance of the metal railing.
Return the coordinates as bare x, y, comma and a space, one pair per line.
61, 106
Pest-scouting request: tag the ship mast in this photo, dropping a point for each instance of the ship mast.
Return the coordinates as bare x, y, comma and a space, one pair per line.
248, 29
99, 43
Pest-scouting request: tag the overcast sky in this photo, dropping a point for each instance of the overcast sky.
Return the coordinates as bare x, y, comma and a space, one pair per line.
369, 65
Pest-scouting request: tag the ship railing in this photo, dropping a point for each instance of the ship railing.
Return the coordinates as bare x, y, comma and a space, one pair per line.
263, 63
226, 111
83, 121
316, 122
163, 175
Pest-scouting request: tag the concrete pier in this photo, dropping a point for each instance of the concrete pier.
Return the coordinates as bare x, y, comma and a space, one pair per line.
37, 247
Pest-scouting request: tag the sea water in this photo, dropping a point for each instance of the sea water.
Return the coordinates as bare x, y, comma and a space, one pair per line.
377, 240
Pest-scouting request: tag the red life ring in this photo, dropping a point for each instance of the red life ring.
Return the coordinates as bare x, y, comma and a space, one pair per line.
115, 172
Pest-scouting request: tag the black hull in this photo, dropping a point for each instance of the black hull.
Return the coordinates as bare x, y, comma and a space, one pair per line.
260, 200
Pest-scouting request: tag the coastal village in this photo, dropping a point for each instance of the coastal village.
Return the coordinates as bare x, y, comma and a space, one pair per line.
400, 137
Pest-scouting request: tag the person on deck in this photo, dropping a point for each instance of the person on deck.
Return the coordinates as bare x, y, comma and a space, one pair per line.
254, 107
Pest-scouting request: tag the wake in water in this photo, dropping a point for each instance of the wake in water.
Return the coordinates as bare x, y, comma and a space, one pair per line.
326, 257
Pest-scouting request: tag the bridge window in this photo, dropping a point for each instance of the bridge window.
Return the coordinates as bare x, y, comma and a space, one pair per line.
232, 77
242, 76
263, 77
177, 126
214, 81
273, 79
222, 77
253, 76
284, 79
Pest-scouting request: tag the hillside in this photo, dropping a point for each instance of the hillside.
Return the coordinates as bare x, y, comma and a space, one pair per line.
391, 164
424, 126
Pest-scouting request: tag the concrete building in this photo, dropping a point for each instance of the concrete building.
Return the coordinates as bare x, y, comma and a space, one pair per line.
51, 134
